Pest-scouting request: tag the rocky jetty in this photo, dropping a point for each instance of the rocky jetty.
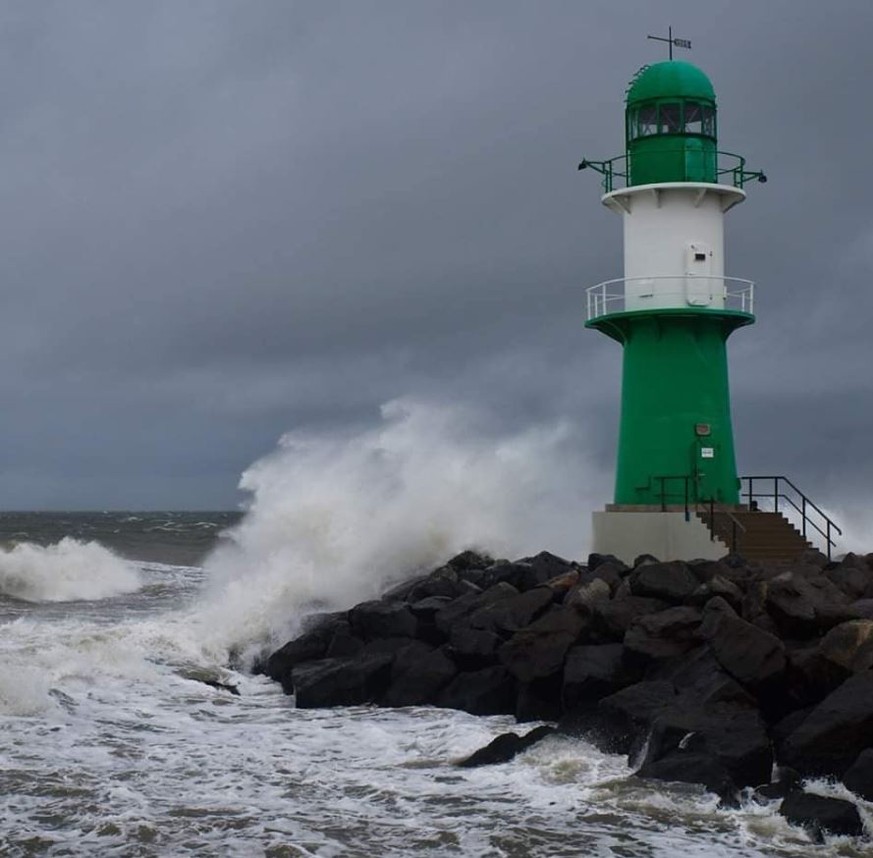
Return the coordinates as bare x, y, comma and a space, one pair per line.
712, 672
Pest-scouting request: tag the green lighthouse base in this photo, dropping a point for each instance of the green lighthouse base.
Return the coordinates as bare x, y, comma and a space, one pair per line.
667, 535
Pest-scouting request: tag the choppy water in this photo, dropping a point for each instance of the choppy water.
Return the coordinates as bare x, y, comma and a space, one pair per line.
111, 746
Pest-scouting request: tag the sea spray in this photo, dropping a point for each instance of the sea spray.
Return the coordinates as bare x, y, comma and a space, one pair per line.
334, 518
67, 571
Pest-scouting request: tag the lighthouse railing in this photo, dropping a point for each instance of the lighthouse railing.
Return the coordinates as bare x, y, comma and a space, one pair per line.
729, 169
670, 291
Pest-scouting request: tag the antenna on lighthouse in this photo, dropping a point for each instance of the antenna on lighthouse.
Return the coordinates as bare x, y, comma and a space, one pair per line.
679, 43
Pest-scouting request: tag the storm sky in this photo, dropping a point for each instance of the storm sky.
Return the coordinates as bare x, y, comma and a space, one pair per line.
224, 220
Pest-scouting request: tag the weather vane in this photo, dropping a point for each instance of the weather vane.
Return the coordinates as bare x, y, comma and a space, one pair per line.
679, 43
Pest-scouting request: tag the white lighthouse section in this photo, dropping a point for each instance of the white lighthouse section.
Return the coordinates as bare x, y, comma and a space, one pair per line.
673, 247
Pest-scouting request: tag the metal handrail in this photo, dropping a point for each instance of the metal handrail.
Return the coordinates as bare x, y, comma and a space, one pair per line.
735, 523
735, 169
686, 480
805, 504
610, 295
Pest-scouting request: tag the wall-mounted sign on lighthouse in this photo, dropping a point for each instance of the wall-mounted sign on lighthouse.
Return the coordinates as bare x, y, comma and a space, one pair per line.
672, 312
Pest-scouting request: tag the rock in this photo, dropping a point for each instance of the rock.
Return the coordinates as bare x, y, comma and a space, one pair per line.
588, 594
453, 613
849, 645
473, 649
862, 608
313, 644
673, 582
735, 735
595, 560
811, 676
377, 619
342, 681
518, 575
539, 699
427, 608
787, 781
696, 767
547, 566
752, 656
592, 672
851, 575
645, 560
859, 776
560, 585
830, 738
820, 815
490, 691
441, 582
612, 573
612, 619
539, 649
513, 613
467, 560
803, 607
417, 675
505, 747
641, 702
663, 635
700, 680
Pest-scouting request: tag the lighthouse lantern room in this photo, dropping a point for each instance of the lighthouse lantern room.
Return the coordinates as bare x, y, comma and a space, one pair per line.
672, 312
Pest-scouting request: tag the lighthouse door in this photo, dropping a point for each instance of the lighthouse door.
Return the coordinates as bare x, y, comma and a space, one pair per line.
698, 274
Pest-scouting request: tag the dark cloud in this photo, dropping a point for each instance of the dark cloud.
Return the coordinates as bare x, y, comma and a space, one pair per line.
222, 220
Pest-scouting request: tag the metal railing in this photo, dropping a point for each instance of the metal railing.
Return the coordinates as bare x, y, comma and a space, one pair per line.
611, 296
736, 525
688, 495
729, 168
780, 489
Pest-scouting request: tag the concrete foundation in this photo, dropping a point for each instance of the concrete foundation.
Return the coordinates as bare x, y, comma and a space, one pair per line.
666, 535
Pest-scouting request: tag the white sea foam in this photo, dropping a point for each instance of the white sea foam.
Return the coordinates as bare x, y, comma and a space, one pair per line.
64, 572
333, 519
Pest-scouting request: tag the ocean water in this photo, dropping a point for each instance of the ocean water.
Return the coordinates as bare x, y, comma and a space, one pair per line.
112, 744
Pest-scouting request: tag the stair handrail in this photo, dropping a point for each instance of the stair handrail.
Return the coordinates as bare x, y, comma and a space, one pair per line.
686, 482
829, 524
735, 523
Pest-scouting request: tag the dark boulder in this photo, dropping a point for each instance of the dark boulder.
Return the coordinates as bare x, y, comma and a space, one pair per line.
586, 595
849, 645
539, 699
417, 675
342, 681
787, 781
613, 618
663, 635
470, 560
820, 815
539, 649
752, 656
803, 607
377, 619
851, 575
512, 613
830, 738
592, 672
441, 582
673, 582
505, 747
696, 767
490, 691
473, 648
596, 560
641, 702
456, 612
312, 644
859, 776
735, 735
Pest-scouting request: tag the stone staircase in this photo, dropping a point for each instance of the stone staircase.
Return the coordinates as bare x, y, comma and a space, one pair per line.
766, 537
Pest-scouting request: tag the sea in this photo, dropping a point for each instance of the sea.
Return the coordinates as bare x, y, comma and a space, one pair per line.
133, 724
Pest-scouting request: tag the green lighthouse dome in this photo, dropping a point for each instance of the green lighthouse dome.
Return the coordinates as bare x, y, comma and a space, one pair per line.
670, 125
672, 79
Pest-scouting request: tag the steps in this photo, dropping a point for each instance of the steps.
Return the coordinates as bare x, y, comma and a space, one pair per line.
766, 537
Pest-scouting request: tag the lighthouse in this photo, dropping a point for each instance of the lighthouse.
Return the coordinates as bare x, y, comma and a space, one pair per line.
672, 312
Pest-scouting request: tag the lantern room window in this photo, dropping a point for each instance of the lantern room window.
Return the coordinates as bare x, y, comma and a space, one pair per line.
679, 117
671, 118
